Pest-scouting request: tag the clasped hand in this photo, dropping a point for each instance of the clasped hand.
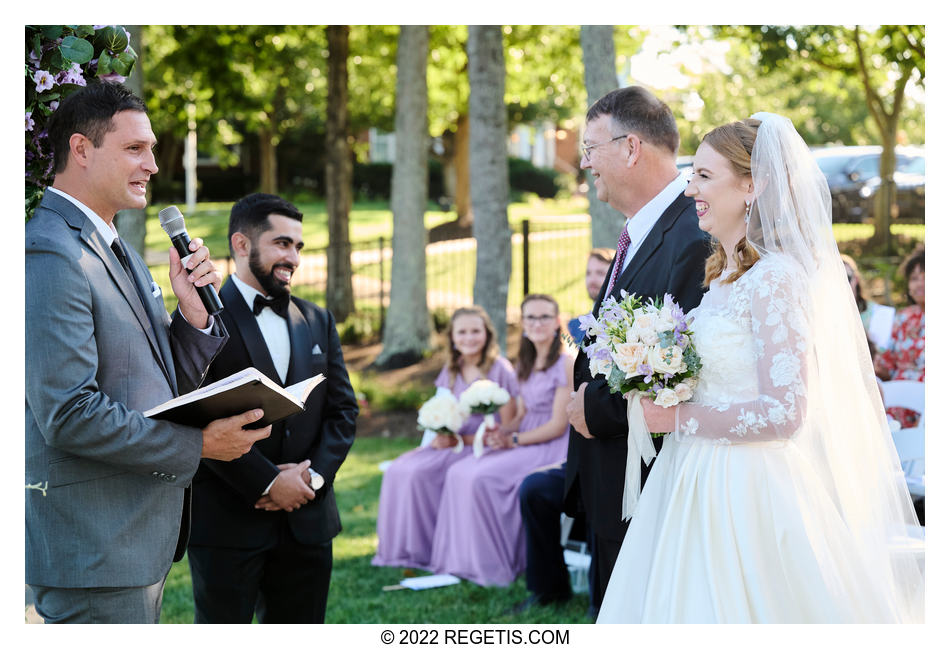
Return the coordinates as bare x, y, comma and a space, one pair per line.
499, 437
290, 490
203, 272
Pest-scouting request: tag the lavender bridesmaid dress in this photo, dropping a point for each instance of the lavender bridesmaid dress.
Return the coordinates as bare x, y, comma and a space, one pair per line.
479, 535
412, 485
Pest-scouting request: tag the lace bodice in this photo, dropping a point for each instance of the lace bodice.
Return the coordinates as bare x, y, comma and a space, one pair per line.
752, 337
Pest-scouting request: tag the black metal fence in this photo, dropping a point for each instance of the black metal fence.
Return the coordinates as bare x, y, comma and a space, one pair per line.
548, 256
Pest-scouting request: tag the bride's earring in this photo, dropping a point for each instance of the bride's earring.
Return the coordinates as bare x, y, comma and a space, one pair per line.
748, 210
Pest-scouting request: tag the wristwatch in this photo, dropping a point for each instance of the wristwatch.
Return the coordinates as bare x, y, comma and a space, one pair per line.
514, 438
316, 480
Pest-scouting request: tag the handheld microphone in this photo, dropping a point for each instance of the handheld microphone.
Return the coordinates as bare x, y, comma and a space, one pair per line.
173, 223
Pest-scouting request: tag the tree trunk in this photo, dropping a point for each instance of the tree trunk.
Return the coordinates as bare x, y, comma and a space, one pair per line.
339, 174
130, 224
489, 173
600, 77
406, 333
463, 193
268, 149
885, 201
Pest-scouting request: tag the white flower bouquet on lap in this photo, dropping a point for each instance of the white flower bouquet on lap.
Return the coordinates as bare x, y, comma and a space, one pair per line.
483, 397
642, 350
442, 415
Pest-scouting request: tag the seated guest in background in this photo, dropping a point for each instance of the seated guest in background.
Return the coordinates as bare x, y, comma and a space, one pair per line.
413, 484
598, 263
877, 319
902, 358
478, 532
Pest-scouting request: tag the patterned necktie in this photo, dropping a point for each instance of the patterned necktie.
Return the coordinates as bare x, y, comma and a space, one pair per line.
622, 245
277, 304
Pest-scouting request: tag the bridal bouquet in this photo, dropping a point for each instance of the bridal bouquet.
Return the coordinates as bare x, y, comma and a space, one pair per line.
443, 415
483, 397
642, 349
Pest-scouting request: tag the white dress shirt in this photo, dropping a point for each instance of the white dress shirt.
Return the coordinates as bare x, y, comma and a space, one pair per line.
273, 328
110, 234
639, 225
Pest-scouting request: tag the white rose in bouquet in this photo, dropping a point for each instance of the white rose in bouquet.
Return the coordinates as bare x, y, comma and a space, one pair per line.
683, 391
442, 414
484, 397
666, 398
629, 356
644, 323
666, 360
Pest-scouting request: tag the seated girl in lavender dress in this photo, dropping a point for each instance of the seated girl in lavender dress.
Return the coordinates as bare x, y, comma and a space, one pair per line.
479, 533
413, 484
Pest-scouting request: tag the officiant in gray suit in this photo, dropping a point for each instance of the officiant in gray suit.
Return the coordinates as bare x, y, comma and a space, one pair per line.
107, 504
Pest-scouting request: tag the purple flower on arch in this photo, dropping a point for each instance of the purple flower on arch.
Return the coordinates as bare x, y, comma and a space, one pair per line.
44, 80
29, 120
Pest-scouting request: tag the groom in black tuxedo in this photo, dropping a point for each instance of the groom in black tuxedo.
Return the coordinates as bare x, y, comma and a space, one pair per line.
263, 525
630, 146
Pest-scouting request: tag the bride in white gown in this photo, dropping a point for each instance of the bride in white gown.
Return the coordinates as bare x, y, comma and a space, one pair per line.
779, 496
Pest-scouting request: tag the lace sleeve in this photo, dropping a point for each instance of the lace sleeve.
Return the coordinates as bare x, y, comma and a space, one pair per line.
777, 311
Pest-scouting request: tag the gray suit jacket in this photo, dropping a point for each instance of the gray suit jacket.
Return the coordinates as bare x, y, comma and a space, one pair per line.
112, 482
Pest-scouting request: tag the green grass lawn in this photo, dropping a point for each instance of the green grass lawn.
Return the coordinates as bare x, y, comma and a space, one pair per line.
369, 220
356, 594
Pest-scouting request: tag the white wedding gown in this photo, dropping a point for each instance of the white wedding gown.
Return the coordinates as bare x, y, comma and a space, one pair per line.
733, 524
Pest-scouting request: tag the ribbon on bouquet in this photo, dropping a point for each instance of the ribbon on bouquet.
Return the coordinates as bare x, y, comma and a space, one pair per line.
430, 435
639, 446
478, 445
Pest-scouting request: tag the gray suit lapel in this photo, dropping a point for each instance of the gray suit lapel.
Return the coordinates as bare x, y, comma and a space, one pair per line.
91, 237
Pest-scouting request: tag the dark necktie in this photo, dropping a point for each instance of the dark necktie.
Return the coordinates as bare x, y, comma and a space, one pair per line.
622, 244
120, 253
277, 304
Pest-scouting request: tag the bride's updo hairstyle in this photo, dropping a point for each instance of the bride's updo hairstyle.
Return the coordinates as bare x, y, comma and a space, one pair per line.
733, 142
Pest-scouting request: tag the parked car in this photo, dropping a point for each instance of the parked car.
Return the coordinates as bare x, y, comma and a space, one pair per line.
853, 178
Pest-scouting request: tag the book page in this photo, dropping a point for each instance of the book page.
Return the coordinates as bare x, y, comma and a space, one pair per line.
301, 390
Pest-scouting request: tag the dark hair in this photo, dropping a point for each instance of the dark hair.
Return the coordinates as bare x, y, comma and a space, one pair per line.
527, 354
489, 351
856, 273
605, 255
913, 261
249, 215
89, 111
638, 110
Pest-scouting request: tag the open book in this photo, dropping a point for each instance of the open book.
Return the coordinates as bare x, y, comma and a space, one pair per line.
240, 392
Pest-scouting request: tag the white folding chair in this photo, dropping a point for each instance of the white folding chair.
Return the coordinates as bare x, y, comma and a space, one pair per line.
909, 441
905, 394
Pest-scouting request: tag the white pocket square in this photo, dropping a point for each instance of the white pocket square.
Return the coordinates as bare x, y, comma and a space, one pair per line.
316, 350
156, 290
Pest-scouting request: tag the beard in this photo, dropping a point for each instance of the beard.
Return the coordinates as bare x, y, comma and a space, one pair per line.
265, 277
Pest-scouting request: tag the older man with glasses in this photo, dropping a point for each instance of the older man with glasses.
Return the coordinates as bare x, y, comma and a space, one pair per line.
630, 147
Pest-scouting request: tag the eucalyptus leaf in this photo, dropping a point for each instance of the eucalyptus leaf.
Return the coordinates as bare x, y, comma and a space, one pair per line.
112, 38
84, 30
76, 50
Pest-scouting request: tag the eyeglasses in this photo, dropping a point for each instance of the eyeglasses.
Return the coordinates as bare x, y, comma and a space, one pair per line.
585, 149
537, 319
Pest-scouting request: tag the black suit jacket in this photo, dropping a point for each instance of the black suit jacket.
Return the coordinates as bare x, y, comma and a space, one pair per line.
225, 492
670, 260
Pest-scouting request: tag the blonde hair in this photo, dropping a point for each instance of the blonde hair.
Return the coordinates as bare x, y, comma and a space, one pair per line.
734, 142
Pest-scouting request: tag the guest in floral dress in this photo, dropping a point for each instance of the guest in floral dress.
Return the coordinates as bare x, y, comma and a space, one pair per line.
479, 534
413, 484
903, 358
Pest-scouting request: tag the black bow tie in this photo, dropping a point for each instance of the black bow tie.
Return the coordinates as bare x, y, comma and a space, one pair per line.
277, 304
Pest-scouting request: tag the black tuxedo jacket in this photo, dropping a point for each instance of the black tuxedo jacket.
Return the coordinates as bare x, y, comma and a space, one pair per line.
225, 492
670, 260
